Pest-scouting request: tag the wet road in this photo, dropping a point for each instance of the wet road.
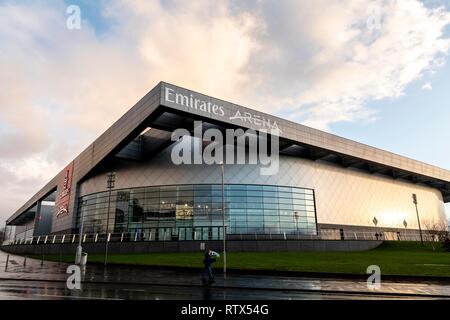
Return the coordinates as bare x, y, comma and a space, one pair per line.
48, 281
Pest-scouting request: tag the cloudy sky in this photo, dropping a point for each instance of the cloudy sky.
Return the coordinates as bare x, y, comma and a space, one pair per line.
373, 71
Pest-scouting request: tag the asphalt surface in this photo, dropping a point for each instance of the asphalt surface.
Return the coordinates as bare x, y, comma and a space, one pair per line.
36, 280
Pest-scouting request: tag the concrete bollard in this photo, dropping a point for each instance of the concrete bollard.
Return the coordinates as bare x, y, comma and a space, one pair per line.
83, 259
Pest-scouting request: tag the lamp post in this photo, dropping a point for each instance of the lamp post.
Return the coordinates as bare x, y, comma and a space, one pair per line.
110, 185
224, 230
414, 197
375, 222
79, 247
26, 231
405, 224
3, 235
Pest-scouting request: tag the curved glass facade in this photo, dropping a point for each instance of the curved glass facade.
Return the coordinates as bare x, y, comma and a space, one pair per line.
194, 212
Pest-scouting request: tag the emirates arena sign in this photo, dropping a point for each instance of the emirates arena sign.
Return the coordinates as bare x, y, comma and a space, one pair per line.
195, 101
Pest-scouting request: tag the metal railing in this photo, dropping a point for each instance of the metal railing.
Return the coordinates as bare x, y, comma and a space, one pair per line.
380, 235
200, 236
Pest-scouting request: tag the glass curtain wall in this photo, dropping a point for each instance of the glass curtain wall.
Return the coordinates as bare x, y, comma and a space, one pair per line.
194, 212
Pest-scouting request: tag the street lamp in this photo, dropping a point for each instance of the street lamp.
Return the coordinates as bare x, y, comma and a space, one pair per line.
4, 234
414, 197
296, 223
26, 231
375, 222
224, 231
110, 185
79, 248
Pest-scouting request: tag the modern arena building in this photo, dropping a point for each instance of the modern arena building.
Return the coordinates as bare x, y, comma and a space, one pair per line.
125, 186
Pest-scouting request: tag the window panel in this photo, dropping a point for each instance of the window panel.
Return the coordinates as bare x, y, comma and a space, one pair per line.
253, 205
270, 200
270, 194
286, 207
285, 201
254, 193
255, 218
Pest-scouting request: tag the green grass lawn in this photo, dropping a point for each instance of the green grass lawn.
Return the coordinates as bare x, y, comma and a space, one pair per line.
394, 258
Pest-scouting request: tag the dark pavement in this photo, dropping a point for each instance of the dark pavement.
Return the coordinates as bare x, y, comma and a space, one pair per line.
48, 281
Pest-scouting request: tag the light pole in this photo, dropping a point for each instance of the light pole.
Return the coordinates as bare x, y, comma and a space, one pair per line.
110, 185
375, 222
79, 248
405, 224
3, 235
224, 231
26, 231
414, 197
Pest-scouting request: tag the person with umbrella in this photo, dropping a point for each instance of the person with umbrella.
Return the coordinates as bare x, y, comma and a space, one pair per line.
208, 259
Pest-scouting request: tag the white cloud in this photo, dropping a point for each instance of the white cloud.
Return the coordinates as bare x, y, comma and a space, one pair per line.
320, 60
316, 61
61, 88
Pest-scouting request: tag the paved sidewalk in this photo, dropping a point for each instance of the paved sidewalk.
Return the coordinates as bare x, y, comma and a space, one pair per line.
141, 276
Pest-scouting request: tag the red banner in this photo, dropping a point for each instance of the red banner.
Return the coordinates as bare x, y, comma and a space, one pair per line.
63, 196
